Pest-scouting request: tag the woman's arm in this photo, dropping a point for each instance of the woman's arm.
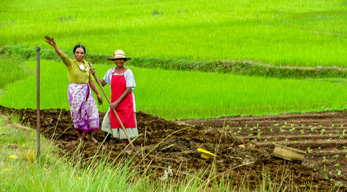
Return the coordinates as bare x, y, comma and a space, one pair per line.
120, 99
103, 82
51, 41
92, 85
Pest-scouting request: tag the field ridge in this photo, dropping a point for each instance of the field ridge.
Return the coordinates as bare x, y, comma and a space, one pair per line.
240, 67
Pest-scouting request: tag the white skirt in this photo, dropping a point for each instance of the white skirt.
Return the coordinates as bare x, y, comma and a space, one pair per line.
118, 133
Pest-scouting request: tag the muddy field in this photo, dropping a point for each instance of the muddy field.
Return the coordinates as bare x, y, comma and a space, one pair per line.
244, 145
321, 135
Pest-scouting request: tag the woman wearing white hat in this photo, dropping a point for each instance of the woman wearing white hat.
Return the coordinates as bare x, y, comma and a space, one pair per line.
122, 83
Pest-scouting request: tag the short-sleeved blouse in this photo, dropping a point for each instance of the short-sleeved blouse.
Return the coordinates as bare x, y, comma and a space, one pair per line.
76, 75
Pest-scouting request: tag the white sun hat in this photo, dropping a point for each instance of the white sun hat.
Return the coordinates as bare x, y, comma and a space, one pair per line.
119, 54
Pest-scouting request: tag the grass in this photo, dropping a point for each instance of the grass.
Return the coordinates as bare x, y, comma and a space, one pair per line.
12, 69
183, 94
52, 173
295, 33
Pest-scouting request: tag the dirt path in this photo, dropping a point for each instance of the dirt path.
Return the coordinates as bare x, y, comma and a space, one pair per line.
243, 158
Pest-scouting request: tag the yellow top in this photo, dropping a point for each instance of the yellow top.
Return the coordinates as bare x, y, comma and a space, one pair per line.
77, 74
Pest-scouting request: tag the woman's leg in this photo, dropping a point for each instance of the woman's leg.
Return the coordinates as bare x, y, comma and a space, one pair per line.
107, 140
90, 137
107, 137
79, 134
126, 143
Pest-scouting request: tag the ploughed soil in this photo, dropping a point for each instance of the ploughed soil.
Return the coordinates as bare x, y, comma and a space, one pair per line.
244, 157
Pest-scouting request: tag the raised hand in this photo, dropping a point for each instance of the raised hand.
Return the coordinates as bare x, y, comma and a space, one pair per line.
50, 40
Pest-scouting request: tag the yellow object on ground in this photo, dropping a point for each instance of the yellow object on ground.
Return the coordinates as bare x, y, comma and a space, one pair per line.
29, 156
206, 154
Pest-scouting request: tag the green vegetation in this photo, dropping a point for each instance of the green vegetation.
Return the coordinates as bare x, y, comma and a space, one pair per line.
221, 66
226, 36
184, 94
295, 33
12, 70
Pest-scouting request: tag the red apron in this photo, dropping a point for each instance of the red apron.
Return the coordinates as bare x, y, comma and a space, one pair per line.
125, 108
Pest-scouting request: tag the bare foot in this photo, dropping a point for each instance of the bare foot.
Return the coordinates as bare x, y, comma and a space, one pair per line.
80, 139
91, 138
105, 146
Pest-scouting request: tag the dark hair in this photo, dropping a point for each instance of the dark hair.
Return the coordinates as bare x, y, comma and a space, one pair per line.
79, 46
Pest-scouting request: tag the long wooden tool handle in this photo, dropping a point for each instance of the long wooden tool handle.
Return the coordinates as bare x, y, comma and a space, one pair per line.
114, 111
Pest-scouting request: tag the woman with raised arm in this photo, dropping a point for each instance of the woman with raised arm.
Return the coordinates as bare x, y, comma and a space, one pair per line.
83, 108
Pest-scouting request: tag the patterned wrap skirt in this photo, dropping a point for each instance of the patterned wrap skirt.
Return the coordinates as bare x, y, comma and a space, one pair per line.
83, 108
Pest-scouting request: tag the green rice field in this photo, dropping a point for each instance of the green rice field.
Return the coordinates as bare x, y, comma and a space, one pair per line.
185, 94
286, 33
294, 33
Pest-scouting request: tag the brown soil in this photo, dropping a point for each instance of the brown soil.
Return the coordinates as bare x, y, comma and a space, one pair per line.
243, 159
321, 135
